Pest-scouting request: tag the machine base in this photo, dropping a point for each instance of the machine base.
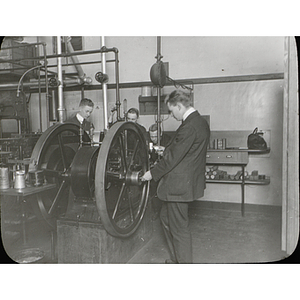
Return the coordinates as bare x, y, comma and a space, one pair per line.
80, 241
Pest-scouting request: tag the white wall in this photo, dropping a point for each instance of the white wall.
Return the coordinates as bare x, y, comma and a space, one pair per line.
244, 106
231, 106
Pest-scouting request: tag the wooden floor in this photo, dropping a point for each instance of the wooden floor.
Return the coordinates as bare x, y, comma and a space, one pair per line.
220, 235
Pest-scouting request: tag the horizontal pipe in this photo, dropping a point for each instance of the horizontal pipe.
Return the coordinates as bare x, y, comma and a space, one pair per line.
25, 45
36, 83
138, 84
208, 80
54, 66
87, 52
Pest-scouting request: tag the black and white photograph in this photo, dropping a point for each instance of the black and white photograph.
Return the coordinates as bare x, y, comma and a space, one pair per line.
149, 149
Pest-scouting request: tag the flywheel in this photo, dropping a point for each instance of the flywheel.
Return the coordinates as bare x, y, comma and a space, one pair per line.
107, 175
121, 197
54, 153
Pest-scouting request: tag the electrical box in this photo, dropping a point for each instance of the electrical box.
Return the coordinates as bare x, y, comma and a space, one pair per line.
148, 105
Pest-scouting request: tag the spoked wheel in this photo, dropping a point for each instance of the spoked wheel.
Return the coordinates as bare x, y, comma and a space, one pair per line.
54, 153
121, 197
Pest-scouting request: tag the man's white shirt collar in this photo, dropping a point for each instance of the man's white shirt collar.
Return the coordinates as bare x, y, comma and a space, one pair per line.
188, 112
79, 118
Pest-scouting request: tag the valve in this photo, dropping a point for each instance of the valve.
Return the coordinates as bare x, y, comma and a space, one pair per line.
101, 77
54, 82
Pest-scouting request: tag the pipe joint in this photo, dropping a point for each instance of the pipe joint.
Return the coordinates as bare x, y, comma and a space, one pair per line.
87, 80
103, 49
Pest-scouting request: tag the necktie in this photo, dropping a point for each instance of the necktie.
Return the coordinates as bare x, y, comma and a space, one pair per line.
83, 123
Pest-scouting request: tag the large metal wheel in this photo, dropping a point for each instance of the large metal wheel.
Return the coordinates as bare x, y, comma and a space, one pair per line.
121, 197
54, 153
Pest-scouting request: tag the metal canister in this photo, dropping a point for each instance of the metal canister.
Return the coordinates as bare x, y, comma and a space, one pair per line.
223, 143
20, 180
146, 91
4, 178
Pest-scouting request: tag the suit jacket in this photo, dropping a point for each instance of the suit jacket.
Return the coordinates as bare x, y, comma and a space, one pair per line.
86, 124
181, 171
144, 131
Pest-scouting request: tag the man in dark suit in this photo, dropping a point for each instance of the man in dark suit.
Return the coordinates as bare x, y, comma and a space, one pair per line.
155, 154
86, 107
181, 175
131, 115
164, 138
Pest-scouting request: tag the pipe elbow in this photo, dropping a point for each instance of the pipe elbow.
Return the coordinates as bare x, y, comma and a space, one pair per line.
87, 80
103, 49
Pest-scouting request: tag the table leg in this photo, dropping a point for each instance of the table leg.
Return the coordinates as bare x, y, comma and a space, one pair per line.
23, 218
243, 190
52, 246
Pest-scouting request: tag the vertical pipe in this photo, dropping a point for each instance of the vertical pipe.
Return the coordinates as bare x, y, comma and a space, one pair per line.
19, 127
47, 88
158, 48
53, 106
104, 86
82, 92
158, 115
40, 100
118, 103
158, 57
60, 108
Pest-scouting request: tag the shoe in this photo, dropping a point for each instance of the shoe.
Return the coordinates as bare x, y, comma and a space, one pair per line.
170, 261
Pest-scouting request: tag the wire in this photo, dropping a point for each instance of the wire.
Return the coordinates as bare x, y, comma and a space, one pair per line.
179, 85
18, 89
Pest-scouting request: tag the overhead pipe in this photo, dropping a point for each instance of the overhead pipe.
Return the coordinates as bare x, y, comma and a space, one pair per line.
81, 74
61, 109
34, 84
59, 55
86, 52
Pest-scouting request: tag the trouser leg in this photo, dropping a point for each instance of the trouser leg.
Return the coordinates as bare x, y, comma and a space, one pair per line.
177, 231
164, 217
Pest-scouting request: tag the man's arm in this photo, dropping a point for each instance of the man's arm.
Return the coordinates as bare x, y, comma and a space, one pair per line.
175, 152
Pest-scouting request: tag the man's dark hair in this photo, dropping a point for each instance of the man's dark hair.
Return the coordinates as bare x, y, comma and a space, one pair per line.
133, 111
179, 96
86, 102
154, 127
